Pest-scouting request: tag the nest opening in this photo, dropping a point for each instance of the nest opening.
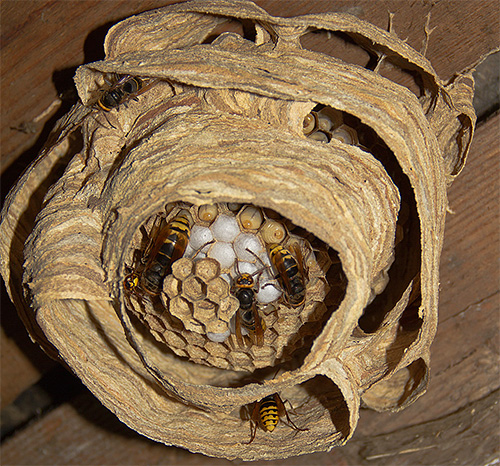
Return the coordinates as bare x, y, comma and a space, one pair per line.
337, 44
325, 124
248, 289
400, 388
404, 269
407, 249
323, 394
317, 403
348, 48
243, 27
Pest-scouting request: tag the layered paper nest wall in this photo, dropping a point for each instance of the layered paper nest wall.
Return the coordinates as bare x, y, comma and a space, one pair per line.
223, 122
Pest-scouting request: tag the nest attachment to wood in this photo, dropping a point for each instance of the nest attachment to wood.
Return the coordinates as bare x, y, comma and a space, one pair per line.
231, 229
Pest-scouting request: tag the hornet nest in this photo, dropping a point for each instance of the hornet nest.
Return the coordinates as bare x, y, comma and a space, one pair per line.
226, 221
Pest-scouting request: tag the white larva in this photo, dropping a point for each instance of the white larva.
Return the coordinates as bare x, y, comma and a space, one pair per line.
272, 231
251, 218
208, 212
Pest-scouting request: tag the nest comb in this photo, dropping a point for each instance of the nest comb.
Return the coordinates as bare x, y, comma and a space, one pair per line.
234, 120
194, 313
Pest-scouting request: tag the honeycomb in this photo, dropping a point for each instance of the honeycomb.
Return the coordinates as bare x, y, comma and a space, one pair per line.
195, 311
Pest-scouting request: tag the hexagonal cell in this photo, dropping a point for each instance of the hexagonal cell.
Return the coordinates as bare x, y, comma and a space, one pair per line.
223, 253
169, 321
345, 134
216, 326
194, 338
225, 228
269, 320
319, 259
270, 336
208, 212
251, 217
239, 359
289, 313
200, 237
272, 231
247, 241
227, 308
217, 289
195, 352
205, 311
155, 323
217, 349
207, 269
174, 340
218, 362
319, 136
194, 289
181, 308
194, 326
263, 352
329, 119
294, 326
171, 286
182, 268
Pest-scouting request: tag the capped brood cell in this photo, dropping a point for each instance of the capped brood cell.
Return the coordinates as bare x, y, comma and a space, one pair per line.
199, 295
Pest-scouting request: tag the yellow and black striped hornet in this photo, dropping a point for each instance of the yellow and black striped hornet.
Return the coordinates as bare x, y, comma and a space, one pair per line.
127, 87
170, 245
169, 242
247, 315
290, 272
266, 414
